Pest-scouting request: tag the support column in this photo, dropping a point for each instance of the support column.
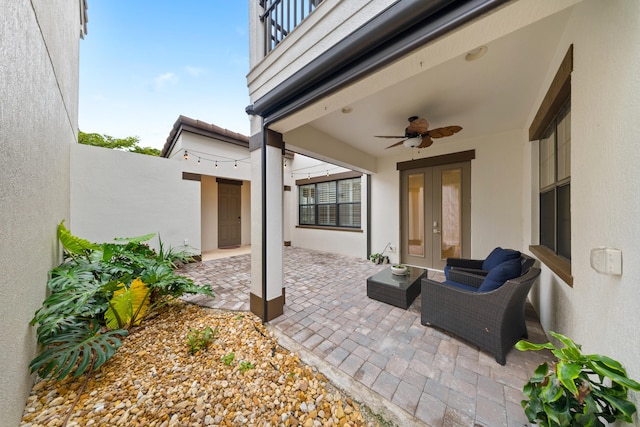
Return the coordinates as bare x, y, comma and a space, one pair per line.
270, 206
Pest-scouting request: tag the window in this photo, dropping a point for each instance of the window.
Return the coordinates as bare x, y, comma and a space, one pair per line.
555, 185
330, 203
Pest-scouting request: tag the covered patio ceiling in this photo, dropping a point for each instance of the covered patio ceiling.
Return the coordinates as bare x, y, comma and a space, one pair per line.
490, 95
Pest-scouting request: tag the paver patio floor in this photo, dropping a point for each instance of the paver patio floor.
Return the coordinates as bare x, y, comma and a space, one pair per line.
381, 354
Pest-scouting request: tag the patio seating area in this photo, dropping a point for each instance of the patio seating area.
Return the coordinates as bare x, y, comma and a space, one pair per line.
380, 354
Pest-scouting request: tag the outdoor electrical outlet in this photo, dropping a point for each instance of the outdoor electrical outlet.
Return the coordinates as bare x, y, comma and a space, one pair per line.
186, 242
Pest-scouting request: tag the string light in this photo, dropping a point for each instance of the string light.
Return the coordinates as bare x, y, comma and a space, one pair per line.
235, 165
309, 176
186, 155
198, 160
327, 173
285, 163
216, 163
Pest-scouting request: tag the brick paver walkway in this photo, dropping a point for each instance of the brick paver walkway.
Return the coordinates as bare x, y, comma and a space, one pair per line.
416, 374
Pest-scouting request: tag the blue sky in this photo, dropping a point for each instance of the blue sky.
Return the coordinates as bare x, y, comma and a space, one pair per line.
143, 63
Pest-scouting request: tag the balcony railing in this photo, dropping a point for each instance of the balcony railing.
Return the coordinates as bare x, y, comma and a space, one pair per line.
280, 17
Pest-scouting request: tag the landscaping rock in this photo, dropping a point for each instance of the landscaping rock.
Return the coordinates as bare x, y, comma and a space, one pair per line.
153, 380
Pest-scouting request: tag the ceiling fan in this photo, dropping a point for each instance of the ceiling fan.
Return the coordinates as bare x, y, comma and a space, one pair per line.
417, 134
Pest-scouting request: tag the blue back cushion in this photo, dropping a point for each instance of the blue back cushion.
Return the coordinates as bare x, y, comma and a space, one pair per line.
498, 256
498, 275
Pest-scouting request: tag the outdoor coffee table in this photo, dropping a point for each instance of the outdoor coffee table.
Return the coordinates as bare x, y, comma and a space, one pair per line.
393, 289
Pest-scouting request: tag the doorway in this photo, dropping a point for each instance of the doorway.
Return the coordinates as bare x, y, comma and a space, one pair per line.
229, 213
435, 214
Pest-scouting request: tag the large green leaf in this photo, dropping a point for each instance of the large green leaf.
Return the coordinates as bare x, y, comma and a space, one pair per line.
567, 373
128, 305
74, 244
75, 350
138, 239
523, 345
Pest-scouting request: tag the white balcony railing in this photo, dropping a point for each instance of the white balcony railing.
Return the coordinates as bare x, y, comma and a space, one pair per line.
280, 17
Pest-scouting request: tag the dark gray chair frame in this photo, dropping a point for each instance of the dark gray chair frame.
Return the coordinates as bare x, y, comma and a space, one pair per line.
494, 321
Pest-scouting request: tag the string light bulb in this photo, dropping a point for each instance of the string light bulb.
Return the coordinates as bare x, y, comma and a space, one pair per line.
235, 165
186, 155
309, 176
216, 163
285, 163
198, 160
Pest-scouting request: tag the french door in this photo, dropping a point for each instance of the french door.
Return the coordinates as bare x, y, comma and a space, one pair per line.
435, 214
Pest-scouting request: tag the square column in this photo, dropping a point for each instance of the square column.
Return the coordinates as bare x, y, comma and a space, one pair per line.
267, 212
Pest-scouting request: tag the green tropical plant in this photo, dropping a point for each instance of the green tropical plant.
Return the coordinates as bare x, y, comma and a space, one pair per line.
99, 287
578, 390
198, 340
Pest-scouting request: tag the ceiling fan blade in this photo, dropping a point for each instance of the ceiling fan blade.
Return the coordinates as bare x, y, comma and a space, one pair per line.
426, 142
445, 131
396, 144
390, 136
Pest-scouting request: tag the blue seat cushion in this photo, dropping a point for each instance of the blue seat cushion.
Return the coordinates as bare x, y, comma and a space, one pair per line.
461, 286
446, 271
498, 275
498, 256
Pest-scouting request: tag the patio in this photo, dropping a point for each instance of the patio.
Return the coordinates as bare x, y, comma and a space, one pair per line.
380, 354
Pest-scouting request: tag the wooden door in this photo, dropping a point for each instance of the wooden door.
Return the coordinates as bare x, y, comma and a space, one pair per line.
229, 214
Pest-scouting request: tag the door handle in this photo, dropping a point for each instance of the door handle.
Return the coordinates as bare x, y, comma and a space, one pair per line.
436, 229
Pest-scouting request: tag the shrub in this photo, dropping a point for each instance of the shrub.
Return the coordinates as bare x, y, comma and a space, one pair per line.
97, 294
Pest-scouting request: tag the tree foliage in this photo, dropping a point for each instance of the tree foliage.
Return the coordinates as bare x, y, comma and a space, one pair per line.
129, 143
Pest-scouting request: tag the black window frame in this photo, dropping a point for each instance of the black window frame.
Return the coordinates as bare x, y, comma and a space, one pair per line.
334, 207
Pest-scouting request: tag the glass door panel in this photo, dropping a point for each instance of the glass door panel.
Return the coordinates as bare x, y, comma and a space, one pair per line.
415, 200
451, 232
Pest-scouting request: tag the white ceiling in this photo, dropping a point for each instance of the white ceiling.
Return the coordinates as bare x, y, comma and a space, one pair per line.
492, 94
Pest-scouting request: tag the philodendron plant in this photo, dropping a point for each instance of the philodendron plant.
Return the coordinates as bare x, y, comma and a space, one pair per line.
578, 390
97, 294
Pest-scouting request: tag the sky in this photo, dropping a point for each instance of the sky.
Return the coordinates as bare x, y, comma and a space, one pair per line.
143, 63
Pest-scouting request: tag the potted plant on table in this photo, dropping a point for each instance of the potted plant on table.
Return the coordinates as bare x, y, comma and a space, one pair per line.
579, 390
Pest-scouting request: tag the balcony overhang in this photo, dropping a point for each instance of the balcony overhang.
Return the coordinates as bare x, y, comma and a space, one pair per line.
394, 33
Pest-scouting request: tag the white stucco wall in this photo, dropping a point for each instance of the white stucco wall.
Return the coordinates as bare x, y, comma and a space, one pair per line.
120, 194
496, 189
39, 42
600, 311
209, 150
350, 243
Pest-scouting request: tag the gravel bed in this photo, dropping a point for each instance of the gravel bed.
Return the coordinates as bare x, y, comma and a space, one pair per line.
153, 380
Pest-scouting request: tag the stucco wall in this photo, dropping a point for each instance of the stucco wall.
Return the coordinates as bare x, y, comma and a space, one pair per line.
119, 194
600, 311
350, 243
39, 43
496, 210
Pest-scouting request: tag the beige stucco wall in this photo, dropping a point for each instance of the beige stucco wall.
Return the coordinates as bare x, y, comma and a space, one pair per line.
496, 210
600, 311
349, 243
39, 43
120, 194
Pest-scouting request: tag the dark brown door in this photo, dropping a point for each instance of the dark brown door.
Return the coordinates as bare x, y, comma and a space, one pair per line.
229, 211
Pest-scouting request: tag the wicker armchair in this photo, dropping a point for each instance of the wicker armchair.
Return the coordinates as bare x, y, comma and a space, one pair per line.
494, 321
